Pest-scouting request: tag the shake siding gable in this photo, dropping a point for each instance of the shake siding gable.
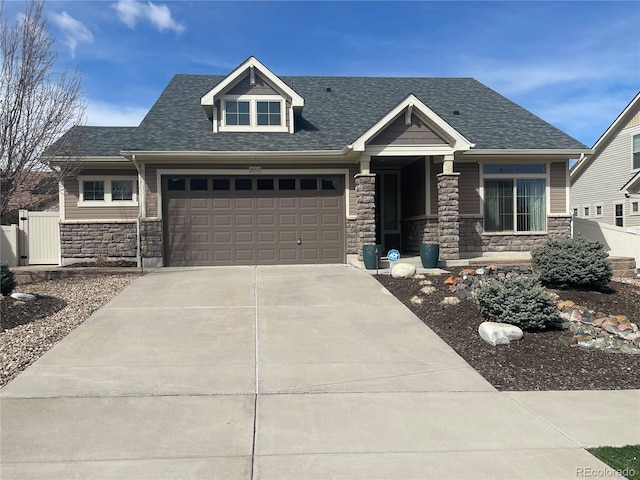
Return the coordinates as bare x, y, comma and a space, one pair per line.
397, 133
244, 87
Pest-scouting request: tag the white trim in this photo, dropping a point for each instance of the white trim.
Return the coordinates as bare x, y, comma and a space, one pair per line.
252, 62
457, 140
408, 150
245, 171
107, 202
250, 154
253, 114
565, 153
61, 202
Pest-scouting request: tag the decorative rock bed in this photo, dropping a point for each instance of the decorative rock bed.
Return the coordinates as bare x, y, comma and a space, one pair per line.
589, 330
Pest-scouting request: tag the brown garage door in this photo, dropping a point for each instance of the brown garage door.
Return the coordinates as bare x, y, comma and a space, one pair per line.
254, 220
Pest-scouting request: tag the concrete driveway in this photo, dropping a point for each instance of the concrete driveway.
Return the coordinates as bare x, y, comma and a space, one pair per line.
283, 372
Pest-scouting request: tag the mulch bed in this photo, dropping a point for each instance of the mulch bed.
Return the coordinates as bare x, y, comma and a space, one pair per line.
540, 361
13, 314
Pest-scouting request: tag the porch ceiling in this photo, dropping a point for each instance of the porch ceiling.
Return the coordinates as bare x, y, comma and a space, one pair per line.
393, 162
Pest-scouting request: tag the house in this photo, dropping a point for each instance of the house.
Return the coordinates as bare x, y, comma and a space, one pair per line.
253, 168
37, 191
605, 186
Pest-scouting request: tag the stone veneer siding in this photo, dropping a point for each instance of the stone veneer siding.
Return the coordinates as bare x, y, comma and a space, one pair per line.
151, 238
365, 210
417, 232
352, 237
472, 239
98, 239
448, 216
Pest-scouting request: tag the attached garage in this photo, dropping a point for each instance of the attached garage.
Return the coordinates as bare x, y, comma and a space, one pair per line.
242, 220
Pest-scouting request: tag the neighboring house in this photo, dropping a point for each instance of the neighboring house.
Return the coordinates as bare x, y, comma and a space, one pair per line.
38, 191
252, 168
605, 186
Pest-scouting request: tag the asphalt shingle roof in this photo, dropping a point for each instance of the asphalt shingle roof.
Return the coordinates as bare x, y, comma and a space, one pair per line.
330, 119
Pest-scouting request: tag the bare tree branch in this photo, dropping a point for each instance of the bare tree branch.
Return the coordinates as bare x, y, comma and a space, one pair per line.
37, 103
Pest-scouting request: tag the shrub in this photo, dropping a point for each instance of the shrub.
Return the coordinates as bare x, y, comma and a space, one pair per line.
8, 281
572, 262
519, 300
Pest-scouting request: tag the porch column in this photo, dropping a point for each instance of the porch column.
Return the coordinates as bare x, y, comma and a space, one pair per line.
448, 215
365, 210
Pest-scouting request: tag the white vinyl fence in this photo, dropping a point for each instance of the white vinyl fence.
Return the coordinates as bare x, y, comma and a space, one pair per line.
619, 242
9, 247
40, 238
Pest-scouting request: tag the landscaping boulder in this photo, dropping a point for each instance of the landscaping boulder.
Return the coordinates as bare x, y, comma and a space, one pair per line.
24, 297
403, 270
496, 333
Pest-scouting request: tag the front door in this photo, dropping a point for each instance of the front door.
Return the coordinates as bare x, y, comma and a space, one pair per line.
388, 208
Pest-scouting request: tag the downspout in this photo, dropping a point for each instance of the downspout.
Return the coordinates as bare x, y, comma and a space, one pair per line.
141, 197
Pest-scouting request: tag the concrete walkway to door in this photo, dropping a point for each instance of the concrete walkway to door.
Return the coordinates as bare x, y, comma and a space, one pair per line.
284, 373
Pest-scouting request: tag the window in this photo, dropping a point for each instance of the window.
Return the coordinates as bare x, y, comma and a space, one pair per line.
634, 207
176, 184
221, 184
619, 215
93, 190
599, 210
107, 191
269, 113
329, 183
245, 113
515, 205
243, 184
575, 212
237, 113
287, 184
586, 211
198, 184
308, 184
636, 152
266, 184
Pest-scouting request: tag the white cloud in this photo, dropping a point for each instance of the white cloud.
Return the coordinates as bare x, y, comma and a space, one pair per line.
105, 114
74, 31
133, 11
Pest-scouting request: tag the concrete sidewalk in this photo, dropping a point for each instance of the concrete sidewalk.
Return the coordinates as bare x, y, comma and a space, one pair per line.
162, 383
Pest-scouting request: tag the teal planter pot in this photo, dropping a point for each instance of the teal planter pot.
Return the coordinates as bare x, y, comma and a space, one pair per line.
371, 255
429, 253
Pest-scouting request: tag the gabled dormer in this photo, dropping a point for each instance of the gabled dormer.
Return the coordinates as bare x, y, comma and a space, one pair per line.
252, 99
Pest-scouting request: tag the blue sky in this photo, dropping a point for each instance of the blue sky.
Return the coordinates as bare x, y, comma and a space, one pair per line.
575, 64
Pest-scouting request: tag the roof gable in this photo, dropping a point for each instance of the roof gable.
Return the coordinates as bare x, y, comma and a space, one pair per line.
409, 106
251, 67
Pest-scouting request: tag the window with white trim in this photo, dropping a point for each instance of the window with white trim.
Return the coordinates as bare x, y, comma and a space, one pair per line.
635, 208
636, 152
586, 211
619, 215
599, 210
250, 113
107, 191
515, 198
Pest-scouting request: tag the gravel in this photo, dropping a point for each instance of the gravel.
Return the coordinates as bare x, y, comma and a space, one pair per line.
541, 360
29, 329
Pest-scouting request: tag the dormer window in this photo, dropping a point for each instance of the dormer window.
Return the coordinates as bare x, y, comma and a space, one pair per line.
252, 99
251, 113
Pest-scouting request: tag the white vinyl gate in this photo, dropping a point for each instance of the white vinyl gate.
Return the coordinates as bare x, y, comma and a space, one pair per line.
40, 238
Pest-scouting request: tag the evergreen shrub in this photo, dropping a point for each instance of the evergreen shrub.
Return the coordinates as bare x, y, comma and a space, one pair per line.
518, 300
572, 262
8, 280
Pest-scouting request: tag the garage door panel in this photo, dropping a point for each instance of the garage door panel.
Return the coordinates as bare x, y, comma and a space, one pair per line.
221, 220
244, 203
222, 237
244, 220
232, 227
266, 220
267, 236
286, 203
245, 237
